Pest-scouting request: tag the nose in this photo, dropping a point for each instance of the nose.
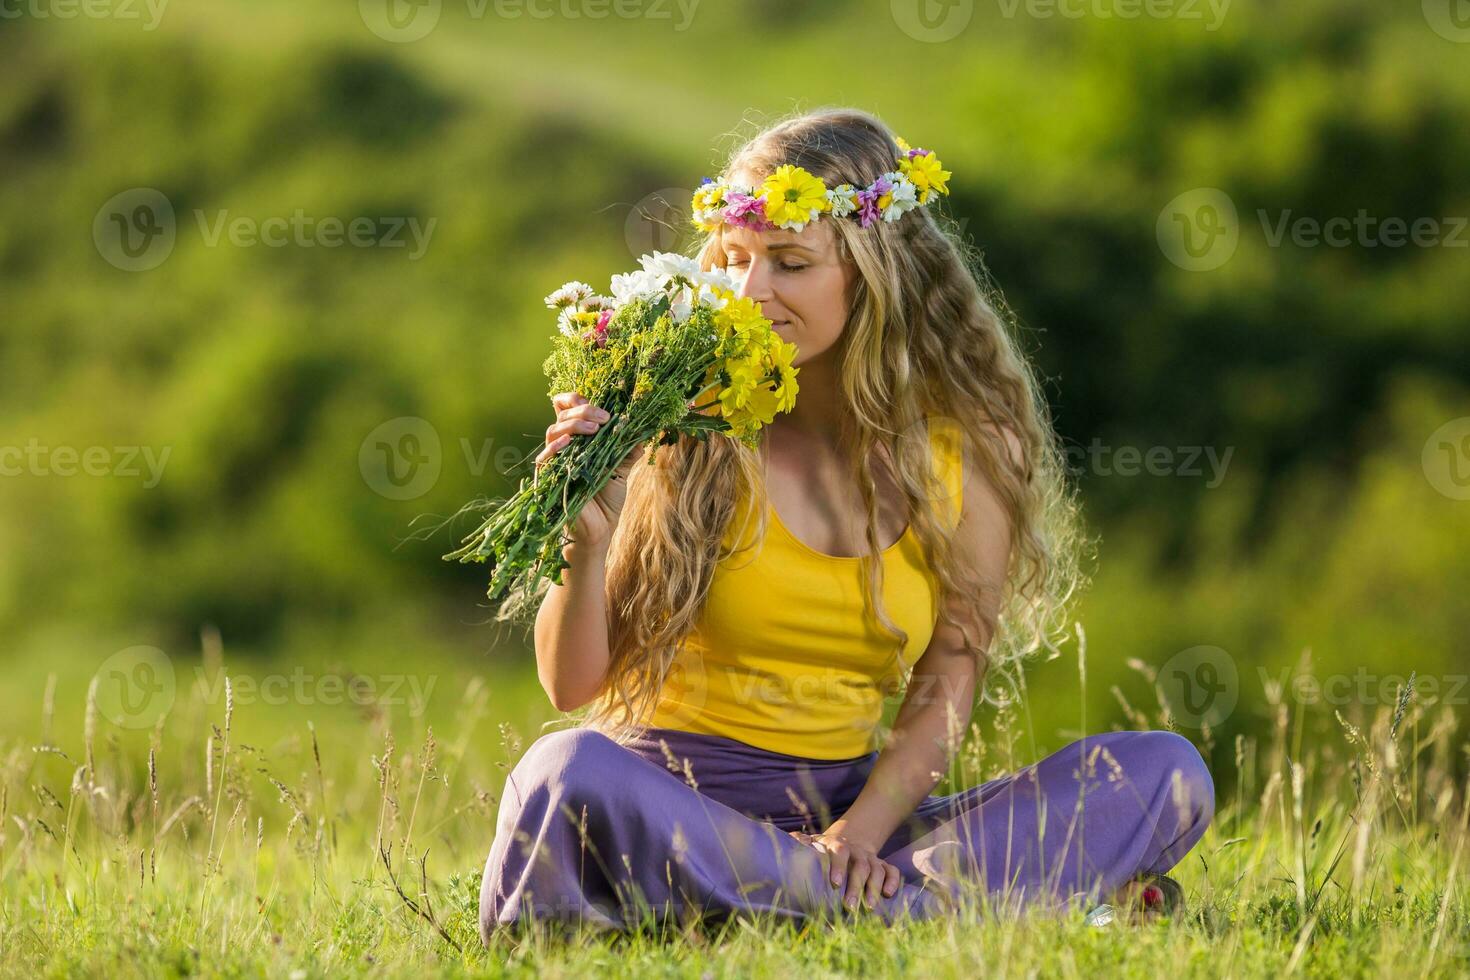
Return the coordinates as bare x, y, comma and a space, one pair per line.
757, 282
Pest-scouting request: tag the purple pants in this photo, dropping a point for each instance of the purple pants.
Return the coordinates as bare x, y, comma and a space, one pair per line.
605, 834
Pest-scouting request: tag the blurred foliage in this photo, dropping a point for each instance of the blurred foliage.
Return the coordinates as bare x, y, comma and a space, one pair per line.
531, 145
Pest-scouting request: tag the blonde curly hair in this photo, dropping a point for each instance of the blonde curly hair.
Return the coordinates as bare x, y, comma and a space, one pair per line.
926, 335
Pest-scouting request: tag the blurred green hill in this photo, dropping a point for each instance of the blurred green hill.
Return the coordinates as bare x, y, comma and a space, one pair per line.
525, 151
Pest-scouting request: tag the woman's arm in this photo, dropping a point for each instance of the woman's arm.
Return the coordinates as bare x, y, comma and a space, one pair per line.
572, 648
932, 721
571, 630
940, 697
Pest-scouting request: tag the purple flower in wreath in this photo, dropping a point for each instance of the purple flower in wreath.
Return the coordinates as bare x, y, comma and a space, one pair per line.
868, 200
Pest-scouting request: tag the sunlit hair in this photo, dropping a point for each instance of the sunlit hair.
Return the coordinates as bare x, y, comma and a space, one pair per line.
925, 336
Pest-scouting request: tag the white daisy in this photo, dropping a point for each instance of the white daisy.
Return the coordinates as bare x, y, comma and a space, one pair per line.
711, 298
797, 226
641, 284
593, 304
843, 199
670, 264
568, 295
905, 197
565, 324
716, 279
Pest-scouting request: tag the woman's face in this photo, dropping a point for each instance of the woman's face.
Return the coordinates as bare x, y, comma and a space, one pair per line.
798, 278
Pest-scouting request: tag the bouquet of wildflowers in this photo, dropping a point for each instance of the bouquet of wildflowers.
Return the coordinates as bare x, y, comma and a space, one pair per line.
672, 350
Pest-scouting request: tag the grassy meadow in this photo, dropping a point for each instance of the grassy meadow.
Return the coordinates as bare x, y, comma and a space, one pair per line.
235, 839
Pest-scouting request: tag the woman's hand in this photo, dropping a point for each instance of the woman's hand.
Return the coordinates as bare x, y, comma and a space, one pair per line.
575, 415
856, 863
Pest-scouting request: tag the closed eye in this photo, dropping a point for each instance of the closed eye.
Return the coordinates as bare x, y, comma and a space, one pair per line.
741, 263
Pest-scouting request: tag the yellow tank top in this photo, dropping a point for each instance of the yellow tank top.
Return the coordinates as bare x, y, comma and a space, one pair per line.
787, 655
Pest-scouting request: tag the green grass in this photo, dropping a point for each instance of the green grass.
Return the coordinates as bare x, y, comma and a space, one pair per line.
1343, 858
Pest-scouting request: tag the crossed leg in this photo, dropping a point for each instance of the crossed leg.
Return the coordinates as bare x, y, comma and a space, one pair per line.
1077, 825
591, 831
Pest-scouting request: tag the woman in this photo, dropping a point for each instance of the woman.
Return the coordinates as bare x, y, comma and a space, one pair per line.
724, 617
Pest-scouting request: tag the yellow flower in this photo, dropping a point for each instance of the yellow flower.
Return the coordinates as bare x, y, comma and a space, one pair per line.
786, 386
740, 317
761, 404
708, 197
791, 195
744, 375
927, 174
742, 426
903, 144
786, 395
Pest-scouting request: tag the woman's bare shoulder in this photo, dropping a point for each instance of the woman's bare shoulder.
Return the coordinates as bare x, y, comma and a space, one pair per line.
983, 428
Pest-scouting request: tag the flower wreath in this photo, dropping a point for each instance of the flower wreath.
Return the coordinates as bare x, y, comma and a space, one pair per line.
791, 197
